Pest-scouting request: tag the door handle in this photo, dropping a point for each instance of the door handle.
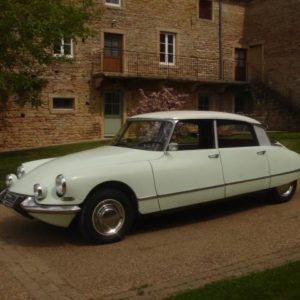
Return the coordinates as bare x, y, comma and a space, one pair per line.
261, 152
214, 155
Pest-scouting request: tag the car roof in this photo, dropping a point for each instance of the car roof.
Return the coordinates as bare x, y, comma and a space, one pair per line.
192, 115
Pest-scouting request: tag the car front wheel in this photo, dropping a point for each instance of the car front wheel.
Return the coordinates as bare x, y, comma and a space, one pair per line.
106, 216
284, 192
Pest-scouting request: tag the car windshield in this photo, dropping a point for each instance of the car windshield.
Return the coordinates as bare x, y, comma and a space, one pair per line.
149, 135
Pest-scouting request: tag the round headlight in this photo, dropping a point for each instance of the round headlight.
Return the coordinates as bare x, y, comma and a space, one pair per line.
9, 180
20, 171
39, 192
61, 185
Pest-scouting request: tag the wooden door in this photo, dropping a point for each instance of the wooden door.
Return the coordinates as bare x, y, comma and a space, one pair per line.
113, 53
240, 64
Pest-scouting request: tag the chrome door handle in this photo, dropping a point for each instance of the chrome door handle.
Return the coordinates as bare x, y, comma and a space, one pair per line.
214, 155
261, 153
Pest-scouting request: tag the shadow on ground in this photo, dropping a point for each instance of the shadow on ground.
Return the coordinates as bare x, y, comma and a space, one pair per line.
17, 230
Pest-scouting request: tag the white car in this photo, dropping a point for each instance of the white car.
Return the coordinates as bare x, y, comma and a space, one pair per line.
157, 162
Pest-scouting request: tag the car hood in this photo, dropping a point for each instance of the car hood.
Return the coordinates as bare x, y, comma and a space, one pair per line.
73, 165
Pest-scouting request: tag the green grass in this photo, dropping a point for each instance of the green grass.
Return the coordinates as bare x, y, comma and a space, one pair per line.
274, 284
289, 139
9, 161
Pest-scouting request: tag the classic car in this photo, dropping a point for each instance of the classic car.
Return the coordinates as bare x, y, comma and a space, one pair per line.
158, 161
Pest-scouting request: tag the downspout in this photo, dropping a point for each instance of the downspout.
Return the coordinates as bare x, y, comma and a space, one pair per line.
221, 66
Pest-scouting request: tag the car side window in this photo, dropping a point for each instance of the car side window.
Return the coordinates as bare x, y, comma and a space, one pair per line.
193, 134
235, 134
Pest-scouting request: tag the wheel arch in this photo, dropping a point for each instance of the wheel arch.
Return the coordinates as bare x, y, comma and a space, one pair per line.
121, 186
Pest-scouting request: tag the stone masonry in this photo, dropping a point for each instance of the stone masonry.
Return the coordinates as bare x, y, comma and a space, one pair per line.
244, 23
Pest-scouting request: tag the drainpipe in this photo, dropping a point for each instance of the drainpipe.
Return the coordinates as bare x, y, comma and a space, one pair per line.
221, 66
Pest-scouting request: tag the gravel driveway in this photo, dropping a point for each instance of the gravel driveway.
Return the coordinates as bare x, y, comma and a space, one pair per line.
162, 255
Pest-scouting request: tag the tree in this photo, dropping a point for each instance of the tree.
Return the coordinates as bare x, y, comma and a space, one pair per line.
29, 30
163, 100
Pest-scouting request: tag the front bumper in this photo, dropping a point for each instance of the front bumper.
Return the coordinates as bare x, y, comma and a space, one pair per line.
28, 207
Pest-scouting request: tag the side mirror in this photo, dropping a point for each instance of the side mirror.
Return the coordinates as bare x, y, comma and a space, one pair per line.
173, 147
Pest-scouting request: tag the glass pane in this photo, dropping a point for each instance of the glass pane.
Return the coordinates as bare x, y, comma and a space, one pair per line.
170, 58
205, 9
204, 103
162, 57
145, 135
67, 49
162, 38
63, 103
235, 135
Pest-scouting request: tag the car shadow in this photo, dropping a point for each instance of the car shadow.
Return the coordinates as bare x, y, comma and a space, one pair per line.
15, 230
200, 213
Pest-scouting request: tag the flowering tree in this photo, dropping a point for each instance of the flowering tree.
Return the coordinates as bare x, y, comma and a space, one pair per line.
163, 100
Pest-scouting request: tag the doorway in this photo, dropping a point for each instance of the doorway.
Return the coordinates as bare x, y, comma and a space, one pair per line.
112, 106
240, 64
113, 53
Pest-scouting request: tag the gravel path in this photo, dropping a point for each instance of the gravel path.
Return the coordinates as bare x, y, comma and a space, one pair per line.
163, 255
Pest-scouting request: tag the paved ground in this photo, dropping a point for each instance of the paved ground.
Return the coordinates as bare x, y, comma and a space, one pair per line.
164, 254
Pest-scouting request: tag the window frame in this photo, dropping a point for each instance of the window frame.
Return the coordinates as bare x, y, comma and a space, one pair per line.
166, 53
62, 110
119, 4
198, 123
62, 49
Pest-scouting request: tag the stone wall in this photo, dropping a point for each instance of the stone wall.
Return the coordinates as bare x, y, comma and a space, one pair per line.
275, 25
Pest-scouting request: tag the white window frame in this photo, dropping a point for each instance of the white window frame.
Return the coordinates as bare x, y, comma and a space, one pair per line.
113, 4
166, 52
62, 49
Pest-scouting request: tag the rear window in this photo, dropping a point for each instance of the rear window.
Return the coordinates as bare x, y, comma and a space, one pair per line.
235, 134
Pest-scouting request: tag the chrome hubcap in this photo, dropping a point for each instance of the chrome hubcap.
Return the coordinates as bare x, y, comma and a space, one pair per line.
285, 190
108, 217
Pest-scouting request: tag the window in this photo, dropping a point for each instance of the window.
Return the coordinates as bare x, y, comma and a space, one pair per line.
63, 103
190, 134
113, 2
235, 134
112, 103
205, 9
204, 103
167, 48
65, 48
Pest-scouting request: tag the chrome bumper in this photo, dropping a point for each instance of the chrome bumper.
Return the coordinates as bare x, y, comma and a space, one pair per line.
31, 206
25, 204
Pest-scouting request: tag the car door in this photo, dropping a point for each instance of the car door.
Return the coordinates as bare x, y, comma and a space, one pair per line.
244, 161
190, 172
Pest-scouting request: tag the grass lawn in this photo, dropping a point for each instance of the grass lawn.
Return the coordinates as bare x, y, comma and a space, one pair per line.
275, 284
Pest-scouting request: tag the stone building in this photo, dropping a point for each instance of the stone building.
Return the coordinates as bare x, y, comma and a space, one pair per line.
228, 55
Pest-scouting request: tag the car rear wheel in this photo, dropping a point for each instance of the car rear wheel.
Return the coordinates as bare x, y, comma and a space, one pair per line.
284, 192
106, 216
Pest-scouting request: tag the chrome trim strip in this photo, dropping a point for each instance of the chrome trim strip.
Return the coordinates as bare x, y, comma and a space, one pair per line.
248, 180
31, 206
217, 186
286, 173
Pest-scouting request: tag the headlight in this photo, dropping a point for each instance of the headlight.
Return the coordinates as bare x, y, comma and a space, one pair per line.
39, 192
20, 171
9, 180
61, 185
